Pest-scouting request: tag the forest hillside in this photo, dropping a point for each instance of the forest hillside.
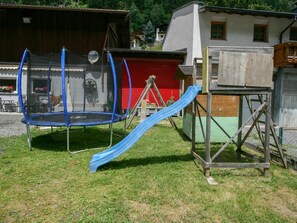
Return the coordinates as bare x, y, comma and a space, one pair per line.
158, 12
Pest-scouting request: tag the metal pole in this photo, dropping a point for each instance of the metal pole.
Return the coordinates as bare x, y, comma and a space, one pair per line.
29, 137
84, 84
68, 140
281, 133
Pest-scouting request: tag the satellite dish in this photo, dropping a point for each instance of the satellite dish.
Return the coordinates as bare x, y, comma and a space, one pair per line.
93, 56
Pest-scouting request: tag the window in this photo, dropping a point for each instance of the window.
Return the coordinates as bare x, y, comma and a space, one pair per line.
40, 85
7, 85
218, 30
260, 33
293, 33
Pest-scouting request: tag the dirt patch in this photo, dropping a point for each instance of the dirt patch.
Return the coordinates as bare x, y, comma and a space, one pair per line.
165, 213
284, 202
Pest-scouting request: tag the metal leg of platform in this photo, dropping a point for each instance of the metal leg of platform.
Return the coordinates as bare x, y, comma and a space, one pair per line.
68, 149
29, 137
125, 129
111, 136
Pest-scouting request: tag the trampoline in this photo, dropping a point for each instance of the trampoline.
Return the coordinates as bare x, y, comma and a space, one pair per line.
66, 89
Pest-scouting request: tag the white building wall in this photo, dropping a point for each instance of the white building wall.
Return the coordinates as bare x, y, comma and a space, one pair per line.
190, 29
197, 46
285, 98
180, 31
240, 29
9, 73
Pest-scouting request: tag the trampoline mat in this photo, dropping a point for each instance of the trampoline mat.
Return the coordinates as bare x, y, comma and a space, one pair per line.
75, 119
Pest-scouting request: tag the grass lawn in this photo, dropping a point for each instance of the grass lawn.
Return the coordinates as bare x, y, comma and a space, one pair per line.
157, 180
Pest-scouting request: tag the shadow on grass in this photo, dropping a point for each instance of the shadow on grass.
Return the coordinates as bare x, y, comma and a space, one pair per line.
183, 135
228, 155
145, 161
155, 160
79, 139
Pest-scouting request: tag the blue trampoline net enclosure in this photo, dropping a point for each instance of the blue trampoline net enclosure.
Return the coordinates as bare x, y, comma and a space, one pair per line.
66, 89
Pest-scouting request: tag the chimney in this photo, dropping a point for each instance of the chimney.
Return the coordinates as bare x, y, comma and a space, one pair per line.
157, 34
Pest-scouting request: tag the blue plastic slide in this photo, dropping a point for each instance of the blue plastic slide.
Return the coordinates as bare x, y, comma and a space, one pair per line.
115, 151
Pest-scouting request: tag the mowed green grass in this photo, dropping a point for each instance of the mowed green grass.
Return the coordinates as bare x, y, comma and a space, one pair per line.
157, 180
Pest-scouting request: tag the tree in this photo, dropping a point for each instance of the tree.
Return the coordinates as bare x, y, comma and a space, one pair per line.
260, 7
149, 33
136, 18
148, 6
123, 5
30, 2
270, 5
158, 15
159, 11
280, 5
9, 1
95, 3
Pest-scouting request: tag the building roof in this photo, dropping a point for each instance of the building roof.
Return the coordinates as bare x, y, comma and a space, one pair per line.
62, 8
46, 29
147, 53
183, 71
9, 66
218, 9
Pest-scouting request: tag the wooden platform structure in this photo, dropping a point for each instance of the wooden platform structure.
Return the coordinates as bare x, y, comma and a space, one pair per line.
247, 73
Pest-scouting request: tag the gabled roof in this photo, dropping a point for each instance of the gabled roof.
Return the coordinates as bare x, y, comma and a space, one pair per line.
45, 29
218, 9
147, 53
62, 8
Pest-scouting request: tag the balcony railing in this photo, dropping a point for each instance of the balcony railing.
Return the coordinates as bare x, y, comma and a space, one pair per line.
285, 54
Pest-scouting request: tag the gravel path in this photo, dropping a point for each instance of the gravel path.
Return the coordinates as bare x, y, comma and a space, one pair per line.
10, 124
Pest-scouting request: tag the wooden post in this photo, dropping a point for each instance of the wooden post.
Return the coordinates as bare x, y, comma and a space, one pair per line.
267, 132
134, 109
239, 137
150, 82
194, 104
207, 135
163, 104
143, 110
